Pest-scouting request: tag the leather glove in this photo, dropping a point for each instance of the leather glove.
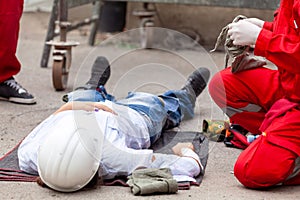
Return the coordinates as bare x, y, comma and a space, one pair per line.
243, 33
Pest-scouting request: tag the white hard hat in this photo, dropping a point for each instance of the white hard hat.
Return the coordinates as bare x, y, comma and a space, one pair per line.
70, 156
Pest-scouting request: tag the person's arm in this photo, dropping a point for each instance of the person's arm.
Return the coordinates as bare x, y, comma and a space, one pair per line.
243, 33
282, 50
185, 163
118, 159
264, 24
87, 106
268, 26
260, 23
187, 150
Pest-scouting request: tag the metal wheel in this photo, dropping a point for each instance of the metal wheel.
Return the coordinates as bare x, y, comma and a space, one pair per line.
59, 77
60, 70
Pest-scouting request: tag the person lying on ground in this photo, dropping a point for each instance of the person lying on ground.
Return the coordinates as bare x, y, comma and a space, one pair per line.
99, 136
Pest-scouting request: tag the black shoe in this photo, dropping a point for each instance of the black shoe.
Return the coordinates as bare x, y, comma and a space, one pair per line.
12, 91
197, 81
100, 74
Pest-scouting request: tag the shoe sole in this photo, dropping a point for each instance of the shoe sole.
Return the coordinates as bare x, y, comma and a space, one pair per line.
100, 67
19, 100
104, 77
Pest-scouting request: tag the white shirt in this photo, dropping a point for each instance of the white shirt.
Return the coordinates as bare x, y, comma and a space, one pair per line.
125, 132
124, 148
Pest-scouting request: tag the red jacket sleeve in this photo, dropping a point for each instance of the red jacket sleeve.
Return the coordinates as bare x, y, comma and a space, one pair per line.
282, 50
268, 26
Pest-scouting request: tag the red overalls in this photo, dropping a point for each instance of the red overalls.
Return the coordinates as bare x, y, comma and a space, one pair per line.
10, 14
260, 95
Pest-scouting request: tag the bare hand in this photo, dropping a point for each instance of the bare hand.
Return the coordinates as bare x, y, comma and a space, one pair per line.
177, 148
87, 106
104, 108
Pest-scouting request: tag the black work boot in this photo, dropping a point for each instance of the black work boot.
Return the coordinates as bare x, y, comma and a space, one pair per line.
100, 74
197, 81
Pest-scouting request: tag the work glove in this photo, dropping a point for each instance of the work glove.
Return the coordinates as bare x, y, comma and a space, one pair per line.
243, 33
256, 21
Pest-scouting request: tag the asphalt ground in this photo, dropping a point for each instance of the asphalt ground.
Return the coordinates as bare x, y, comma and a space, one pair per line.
133, 69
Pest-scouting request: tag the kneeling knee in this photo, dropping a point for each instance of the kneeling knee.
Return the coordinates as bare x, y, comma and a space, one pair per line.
256, 177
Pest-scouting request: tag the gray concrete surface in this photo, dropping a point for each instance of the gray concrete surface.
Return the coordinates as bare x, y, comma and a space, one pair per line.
139, 70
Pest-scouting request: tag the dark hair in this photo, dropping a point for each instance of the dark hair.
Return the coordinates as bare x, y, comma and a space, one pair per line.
93, 182
40, 182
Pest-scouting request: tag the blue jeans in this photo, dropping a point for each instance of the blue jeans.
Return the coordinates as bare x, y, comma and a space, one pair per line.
177, 105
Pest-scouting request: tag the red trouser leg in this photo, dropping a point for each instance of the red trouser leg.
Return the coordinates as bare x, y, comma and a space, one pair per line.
246, 96
264, 164
270, 159
10, 14
274, 158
